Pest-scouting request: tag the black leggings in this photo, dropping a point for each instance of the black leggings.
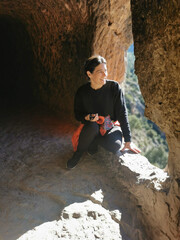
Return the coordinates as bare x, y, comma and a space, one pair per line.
90, 138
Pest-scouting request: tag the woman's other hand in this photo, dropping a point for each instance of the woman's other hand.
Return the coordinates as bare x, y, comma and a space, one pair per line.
131, 146
92, 117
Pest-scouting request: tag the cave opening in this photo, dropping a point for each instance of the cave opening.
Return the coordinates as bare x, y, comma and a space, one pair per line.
16, 65
145, 133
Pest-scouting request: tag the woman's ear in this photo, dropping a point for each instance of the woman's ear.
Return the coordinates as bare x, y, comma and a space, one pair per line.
88, 74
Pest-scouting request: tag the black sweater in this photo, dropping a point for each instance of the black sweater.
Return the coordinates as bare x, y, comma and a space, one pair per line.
108, 100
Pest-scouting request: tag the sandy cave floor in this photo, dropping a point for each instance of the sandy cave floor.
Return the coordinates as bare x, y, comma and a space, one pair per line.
35, 186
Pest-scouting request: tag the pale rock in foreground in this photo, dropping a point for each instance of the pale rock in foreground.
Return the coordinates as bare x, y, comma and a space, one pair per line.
79, 221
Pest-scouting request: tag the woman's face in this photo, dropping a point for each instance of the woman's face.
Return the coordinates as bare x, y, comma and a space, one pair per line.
98, 76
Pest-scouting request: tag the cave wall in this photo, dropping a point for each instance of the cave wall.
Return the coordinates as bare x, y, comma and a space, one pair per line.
63, 34
155, 31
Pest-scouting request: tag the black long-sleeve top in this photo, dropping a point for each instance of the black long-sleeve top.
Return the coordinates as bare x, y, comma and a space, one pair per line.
108, 100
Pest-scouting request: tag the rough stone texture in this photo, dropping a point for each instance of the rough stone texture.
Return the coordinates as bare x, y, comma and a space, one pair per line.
113, 35
40, 199
37, 191
156, 33
47, 42
154, 192
156, 36
62, 35
79, 221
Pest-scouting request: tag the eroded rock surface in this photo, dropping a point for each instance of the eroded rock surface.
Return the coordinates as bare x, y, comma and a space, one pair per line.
59, 36
155, 28
36, 189
79, 221
154, 191
47, 42
104, 197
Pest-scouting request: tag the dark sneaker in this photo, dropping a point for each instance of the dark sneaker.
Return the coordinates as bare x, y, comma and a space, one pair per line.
72, 162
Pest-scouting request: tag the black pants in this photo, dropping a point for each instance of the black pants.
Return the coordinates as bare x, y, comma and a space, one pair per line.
90, 138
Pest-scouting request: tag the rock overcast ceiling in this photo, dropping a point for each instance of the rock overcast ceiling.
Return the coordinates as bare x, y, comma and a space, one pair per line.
63, 34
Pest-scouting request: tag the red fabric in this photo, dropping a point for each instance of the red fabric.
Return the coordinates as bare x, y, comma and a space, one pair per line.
75, 137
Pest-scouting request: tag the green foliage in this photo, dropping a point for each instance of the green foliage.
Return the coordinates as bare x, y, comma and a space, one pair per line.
148, 139
135, 122
157, 155
151, 133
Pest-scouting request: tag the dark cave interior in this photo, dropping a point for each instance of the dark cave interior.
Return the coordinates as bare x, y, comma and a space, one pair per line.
16, 66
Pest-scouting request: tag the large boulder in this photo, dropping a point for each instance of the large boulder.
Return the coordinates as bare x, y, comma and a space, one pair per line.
155, 27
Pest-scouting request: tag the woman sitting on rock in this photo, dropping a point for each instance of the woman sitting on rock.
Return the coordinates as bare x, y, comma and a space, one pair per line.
100, 99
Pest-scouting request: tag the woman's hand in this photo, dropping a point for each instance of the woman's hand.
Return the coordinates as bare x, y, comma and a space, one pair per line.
92, 117
131, 146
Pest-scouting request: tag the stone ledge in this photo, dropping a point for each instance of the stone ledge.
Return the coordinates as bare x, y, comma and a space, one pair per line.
152, 190
138, 169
